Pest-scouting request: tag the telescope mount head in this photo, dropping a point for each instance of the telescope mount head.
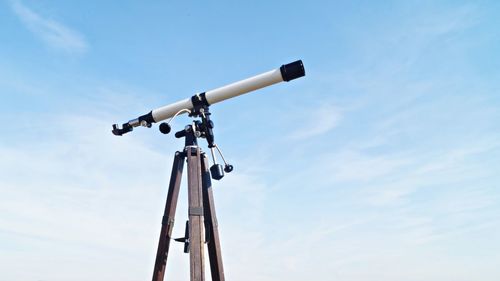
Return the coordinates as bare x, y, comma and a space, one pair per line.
201, 128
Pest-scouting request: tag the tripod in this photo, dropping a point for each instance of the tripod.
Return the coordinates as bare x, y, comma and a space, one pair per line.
202, 224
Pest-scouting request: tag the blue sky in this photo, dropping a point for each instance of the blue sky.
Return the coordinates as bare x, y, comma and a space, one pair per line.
381, 164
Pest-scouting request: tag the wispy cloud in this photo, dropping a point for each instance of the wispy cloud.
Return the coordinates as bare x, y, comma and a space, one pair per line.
40, 186
53, 33
319, 121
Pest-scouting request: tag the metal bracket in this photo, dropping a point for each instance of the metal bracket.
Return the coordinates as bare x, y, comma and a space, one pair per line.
196, 211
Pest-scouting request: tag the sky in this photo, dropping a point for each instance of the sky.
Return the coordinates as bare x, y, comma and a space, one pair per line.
380, 164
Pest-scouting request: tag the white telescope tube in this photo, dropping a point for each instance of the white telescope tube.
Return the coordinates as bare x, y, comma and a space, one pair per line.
286, 73
244, 86
222, 93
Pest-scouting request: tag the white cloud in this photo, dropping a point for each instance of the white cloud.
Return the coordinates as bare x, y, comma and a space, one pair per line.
72, 196
317, 121
444, 168
81, 197
53, 33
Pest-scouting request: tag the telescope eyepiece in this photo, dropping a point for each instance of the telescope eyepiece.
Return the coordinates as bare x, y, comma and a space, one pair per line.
125, 129
292, 70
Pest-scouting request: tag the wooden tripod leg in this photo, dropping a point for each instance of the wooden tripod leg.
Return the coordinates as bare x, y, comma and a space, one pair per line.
211, 226
195, 198
168, 217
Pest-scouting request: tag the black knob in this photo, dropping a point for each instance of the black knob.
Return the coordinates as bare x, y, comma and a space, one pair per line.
210, 124
228, 168
164, 128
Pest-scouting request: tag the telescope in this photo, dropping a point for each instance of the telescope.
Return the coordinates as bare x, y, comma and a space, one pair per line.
201, 227
286, 72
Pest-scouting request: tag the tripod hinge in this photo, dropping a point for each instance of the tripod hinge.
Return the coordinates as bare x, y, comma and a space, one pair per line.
192, 149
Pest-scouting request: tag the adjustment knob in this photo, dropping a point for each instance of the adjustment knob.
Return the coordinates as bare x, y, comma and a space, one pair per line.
228, 168
165, 128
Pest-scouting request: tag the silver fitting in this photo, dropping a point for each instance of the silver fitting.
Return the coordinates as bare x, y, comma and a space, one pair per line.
134, 122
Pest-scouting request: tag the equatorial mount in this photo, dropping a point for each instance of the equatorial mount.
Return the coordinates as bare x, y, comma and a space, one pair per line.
202, 128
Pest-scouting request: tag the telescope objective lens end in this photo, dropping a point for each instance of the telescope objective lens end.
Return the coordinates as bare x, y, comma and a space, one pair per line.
292, 70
